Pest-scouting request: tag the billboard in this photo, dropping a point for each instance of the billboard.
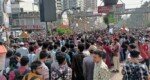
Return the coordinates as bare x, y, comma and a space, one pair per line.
107, 9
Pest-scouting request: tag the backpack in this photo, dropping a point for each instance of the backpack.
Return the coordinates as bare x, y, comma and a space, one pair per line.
19, 76
61, 75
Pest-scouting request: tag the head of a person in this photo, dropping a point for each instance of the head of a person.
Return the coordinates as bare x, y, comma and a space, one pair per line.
58, 43
17, 56
39, 43
45, 46
97, 56
147, 41
9, 53
81, 47
43, 56
36, 67
21, 44
116, 40
63, 49
131, 47
61, 59
134, 54
87, 45
55, 47
50, 47
31, 49
72, 46
13, 62
24, 61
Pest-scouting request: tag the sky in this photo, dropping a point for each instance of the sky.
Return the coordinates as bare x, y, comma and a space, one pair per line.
130, 3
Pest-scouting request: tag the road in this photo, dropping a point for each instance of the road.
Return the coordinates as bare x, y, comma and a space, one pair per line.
117, 76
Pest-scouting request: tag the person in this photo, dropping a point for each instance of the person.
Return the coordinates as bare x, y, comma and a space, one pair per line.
45, 71
63, 50
72, 52
8, 56
22, 50
88, 65
31, 55
101, 71
3, 52
2, 77
145, 47
35, 73
86, 51
39, 48
60, 70
133, 70
116, 52
77, 73
18, 74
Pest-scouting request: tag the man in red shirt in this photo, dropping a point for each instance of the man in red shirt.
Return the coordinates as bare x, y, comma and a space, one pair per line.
144, 50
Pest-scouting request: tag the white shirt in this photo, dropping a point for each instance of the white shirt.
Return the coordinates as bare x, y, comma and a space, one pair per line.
23, 51
45, 71
86, 53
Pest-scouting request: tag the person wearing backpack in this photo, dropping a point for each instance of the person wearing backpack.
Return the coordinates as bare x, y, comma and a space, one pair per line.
133, 69
60, 69
19, 73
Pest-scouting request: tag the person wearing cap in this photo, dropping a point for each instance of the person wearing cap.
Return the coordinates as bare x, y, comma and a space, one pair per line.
3, 52
22, 50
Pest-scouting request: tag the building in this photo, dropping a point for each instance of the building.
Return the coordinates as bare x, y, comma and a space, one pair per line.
90, 5
80, 3
59, 6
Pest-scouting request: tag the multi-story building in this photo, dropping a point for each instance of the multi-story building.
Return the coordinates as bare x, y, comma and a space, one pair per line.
90, 5
59, 6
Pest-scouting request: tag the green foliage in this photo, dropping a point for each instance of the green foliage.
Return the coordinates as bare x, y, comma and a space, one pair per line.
63, 30
106, 21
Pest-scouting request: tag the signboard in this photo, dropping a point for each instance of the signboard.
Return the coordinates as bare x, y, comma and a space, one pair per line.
107, 9
104, 9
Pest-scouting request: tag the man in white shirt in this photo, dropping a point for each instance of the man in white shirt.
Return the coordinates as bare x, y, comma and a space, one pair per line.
45, 71
22, 50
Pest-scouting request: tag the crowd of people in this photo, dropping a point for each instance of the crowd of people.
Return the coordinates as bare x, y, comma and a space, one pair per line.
88, 56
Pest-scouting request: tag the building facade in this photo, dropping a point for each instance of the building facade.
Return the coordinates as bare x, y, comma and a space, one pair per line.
90, 5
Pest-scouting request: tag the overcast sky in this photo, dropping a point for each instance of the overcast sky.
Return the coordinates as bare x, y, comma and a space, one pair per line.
130, 3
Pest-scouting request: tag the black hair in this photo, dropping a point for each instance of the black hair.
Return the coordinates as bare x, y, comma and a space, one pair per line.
39, 43
72, 46
67, 45
134, 54
99, 53
9, 53
87, 45
81, 47
31, 48
45, 45
60, 57
13, 62
35, 65
57, 43
24, 61
82, 40
17, 54
55, 46
43, 54
63, 49
50, 47
132, 46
